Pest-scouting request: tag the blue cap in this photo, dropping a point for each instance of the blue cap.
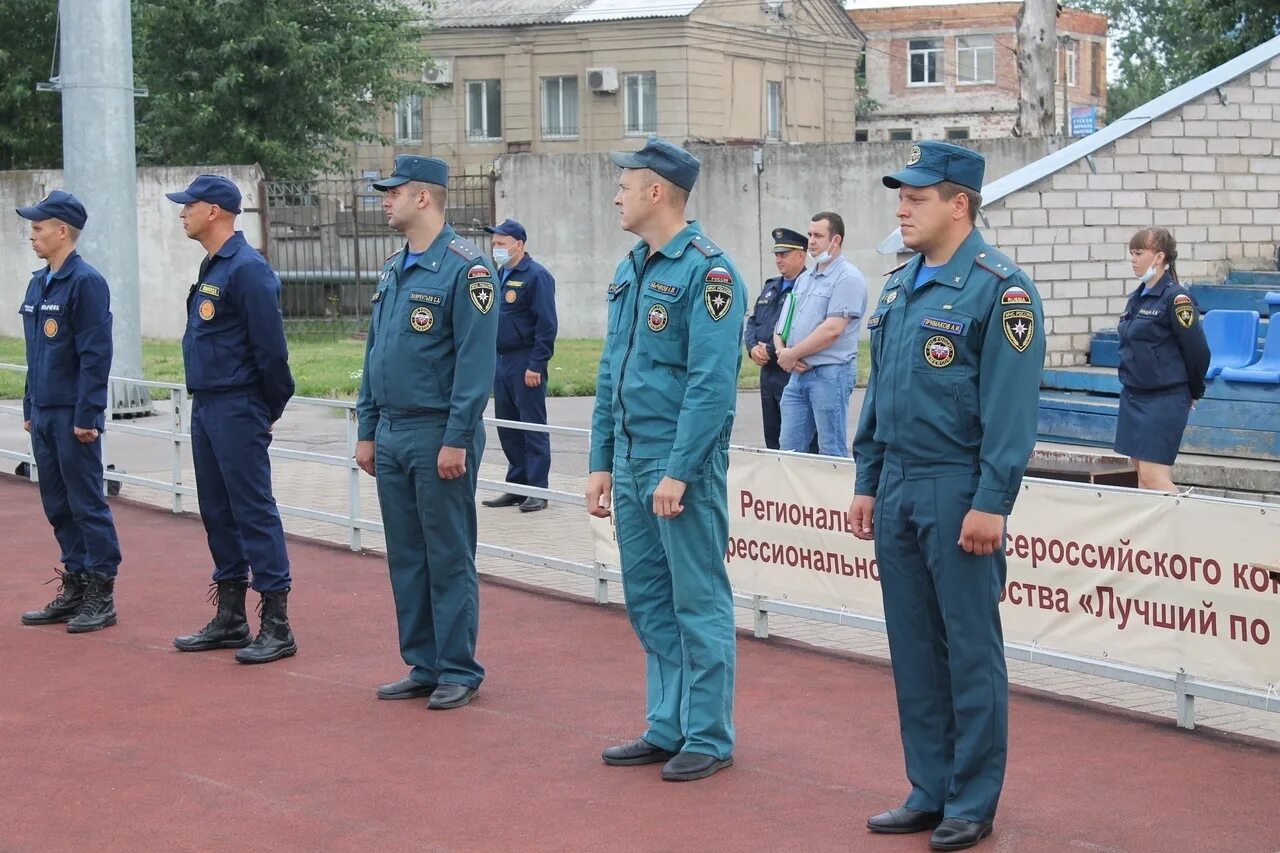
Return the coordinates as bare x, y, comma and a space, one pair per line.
667, 159
934, 162
786, 240
411, 167
508, 228
57, 205
213, 189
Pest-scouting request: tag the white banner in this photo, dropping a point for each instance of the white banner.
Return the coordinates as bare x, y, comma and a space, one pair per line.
1155, 581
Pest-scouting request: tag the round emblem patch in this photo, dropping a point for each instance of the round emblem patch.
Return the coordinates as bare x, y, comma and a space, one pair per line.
50, 327
510, 297
915, 155
939, 351
206, 310
422, 319
657, 318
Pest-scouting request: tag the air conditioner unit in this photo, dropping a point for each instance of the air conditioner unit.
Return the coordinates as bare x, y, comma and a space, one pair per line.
438, 72
602, 79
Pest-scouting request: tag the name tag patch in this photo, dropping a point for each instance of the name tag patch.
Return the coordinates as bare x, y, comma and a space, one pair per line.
211, 290
429, 298
938, 324
665, 289
1149, 312
874, 321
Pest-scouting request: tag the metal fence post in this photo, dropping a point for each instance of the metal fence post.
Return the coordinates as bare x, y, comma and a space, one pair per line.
353, 479
1186, 702
762, 618
178, 397
602, 587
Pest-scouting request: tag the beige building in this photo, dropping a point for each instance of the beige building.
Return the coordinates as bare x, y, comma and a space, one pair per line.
947, 69
577, 76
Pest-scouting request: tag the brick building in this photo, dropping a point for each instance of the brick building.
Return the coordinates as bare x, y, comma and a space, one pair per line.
946, 69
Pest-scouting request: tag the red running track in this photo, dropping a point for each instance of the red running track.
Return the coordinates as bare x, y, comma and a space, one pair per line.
115, 741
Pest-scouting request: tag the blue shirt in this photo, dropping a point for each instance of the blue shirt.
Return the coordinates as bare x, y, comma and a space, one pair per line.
925, 274
411, 258
837, 291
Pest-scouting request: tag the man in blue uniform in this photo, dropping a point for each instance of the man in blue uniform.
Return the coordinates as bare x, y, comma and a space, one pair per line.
237, 367
788, 253
526, 341
428, 367
66, 317
948, 424
660, 441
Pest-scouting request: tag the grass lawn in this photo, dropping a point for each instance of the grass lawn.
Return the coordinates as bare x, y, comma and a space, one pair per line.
330, 368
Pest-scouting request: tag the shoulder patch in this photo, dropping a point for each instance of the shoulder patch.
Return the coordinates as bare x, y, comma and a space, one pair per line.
718, 275
1182, 299
481, 291
478, 271
1184, 310
704, 245
995, 262
465, 248
1015, 295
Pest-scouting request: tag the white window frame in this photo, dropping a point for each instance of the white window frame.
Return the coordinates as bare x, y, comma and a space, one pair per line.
558, 83
773, 109
936, 62
486, 134
408, 118
967, 59
1072, 62
640, 77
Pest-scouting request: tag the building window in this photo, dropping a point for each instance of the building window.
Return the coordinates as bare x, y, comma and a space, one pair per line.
559, 107
641, 95
975, 59
859, 136
484, 109
1097, 69
901, 134
409, 119
773, 109
1069, 63
924, 62
957, 133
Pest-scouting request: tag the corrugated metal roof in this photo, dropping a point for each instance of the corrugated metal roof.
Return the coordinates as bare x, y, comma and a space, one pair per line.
863, 5
1136, 118
451, 14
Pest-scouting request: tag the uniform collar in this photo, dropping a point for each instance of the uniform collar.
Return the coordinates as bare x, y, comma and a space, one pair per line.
1158, 289
955, 272
231, 246
72, 261
523, 266
434, 254
676, 246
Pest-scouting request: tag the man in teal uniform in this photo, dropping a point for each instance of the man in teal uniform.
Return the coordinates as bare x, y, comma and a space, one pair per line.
428, 367
948, 424
659, 440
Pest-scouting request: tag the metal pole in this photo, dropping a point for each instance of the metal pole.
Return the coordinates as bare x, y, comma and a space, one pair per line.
96, 81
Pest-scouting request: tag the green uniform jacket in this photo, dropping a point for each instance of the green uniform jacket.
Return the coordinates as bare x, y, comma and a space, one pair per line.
667, 385
432, 344
955, 372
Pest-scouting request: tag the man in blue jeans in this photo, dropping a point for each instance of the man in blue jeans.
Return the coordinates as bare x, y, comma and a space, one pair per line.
817, 343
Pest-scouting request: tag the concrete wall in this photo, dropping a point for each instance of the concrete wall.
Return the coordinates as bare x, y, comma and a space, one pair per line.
566, 203
168, 261
1208, 171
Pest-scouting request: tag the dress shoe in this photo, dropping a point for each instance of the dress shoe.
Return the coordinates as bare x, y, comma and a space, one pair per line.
447, 696
533, 504
639, 751
687, 766
64, 605
958, 834
405, 688
504, 500
903, 821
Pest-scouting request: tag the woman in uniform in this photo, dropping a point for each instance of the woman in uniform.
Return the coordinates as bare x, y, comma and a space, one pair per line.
1163, 358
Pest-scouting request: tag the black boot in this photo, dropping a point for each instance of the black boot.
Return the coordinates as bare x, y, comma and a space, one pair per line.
98, 610
275, 639
229, 628
64, 605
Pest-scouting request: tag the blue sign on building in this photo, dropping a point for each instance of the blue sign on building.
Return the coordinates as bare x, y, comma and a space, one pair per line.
1084, 120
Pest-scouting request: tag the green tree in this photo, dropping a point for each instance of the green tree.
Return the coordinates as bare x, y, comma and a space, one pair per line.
30, 121
290, 84
1160, 44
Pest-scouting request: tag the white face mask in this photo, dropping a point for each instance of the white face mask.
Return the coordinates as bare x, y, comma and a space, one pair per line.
1146, 277
501, 256
827, 255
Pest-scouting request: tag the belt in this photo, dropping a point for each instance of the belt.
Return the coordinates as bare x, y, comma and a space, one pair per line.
920, 469
213, 393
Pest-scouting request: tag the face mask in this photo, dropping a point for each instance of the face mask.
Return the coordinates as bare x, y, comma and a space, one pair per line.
1148, 275
501, 256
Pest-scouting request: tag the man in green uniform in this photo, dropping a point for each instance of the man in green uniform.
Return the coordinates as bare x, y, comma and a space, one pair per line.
428, 368
659, 439
948, 424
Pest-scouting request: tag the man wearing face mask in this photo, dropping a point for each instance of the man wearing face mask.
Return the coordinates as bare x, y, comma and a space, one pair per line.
526, 341
817, 343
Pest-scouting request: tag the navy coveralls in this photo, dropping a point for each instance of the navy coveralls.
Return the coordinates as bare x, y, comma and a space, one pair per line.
237, 366
526, 341
948, 425
773, 379
66, 319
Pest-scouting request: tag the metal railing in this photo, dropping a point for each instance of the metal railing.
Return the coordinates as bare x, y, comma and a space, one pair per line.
1186, 688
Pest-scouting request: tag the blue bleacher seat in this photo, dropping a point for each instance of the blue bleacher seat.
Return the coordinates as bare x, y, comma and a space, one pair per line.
1267, 368
1233, 337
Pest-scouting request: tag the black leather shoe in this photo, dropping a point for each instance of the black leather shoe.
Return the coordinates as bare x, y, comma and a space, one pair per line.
447, 696
97, 608
405, 688
64, 605
275, 637
957, 834
229, 628
504, 500
639, 751
903, 821
687, 766
533, 504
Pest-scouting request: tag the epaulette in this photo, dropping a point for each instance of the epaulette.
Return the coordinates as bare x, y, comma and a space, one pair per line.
390, 256
704, 245
997, 263
465, 248
898, 267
